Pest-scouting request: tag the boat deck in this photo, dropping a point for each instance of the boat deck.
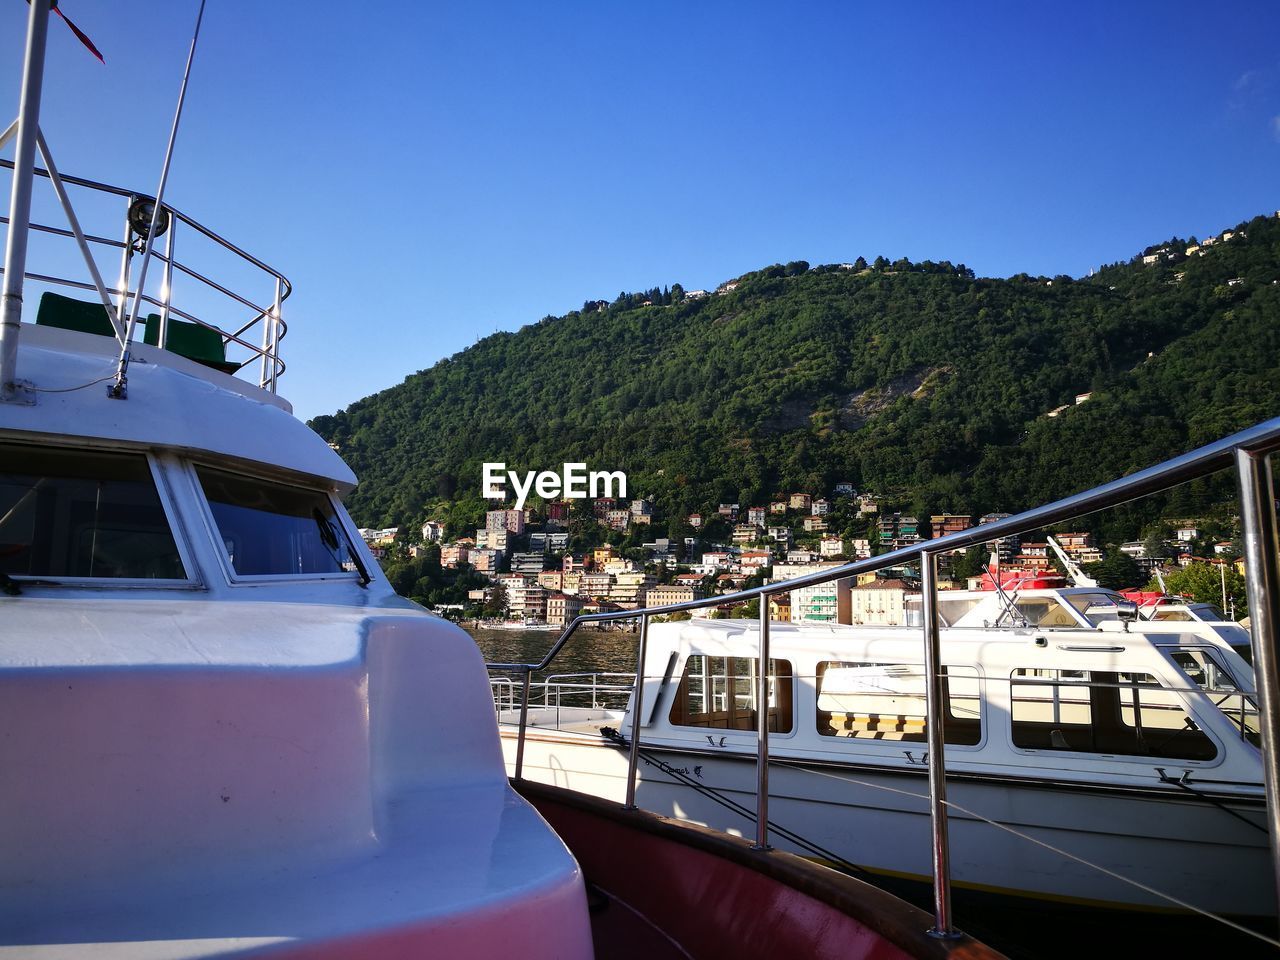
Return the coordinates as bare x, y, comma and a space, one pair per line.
580, 721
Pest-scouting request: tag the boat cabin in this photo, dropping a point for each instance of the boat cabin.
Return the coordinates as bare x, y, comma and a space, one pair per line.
1028, 700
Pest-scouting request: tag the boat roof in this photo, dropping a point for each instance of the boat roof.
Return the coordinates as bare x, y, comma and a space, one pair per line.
173, 403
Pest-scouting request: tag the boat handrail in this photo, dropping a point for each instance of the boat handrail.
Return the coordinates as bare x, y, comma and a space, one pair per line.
265, 311
1247, 450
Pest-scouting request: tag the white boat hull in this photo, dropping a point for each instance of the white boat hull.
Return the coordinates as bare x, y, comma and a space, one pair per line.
1213, 859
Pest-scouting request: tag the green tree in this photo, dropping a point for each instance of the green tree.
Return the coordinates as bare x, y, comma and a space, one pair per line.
1155, 542
496, 605
1203, 582
1116, 571
971, 563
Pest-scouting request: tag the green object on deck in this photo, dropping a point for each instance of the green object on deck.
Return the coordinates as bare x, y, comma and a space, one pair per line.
191, 340
68, 313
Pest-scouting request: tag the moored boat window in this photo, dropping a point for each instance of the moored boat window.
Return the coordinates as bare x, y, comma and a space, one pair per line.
82, 513
271, 529
1204, 669
720, 693
1107, 712
886, 701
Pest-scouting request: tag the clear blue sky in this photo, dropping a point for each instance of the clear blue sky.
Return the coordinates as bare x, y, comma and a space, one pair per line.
428, 173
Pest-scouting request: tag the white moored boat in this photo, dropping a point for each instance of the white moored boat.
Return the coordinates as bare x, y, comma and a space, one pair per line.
1134, 751
224, 734
1120, 755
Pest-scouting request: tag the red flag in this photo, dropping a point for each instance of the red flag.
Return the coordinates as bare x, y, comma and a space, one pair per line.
79, 33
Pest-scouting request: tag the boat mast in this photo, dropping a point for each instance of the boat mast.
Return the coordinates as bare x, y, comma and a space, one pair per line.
15, 255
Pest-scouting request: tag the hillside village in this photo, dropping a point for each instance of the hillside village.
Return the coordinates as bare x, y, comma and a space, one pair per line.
553, 561
549, 564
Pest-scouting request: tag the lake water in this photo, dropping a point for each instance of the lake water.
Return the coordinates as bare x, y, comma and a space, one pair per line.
609, 650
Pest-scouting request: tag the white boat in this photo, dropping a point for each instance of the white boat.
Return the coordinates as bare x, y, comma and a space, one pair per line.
224, 734
1109, 747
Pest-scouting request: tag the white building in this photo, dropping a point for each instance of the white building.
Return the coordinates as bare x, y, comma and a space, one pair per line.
825, 603
881, 601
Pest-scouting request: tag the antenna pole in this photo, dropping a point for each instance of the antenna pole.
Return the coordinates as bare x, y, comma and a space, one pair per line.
15, 254
118, 390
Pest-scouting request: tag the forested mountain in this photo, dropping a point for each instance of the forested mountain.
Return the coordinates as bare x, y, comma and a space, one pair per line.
921, 382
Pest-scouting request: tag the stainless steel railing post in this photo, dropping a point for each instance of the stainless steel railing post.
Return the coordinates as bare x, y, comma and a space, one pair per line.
1262, 580
15, 257
126, 257
934, 736
266, 379
637, 708
60, 188
167, 299
762, 730
524, 723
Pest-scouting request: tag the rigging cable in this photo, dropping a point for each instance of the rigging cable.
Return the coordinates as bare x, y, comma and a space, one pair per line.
118, 390
829, 856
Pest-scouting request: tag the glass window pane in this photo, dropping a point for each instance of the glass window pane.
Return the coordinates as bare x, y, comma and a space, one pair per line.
80, 513
272, 529
886, 701
732, 704
1113, 713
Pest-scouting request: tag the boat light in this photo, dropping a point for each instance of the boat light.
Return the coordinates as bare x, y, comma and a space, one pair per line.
141, 210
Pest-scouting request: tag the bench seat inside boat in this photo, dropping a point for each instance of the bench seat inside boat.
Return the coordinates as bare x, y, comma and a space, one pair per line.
883, 726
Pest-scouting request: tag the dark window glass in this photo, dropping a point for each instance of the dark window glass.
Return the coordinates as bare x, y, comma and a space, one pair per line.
720, 693
271, 529
886, 701
80, 513
1106, 712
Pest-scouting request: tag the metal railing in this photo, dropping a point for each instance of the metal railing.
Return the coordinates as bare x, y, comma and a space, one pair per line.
1247, 451
582, 691
573, 685
260, 318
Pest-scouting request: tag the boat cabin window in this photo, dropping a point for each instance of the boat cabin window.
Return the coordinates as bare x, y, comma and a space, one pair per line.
886, 701
1107, 712
720, 693
1204, 669
82, 513
270, 529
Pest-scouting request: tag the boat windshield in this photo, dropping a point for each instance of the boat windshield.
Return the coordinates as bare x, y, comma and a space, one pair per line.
987, 609
1096, 607
1043, 612
82, 513
270, 529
